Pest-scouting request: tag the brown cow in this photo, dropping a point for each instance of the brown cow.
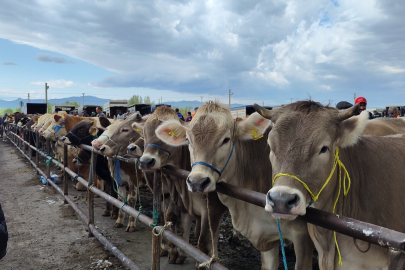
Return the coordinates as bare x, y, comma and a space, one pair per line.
225, 151
306, 140
157, 154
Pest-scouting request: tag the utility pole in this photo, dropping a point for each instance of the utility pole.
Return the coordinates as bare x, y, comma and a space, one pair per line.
230, 94
354, 96
201, 99
83, 101
262, 103
291, 100
46, 93
28, 97
161, 100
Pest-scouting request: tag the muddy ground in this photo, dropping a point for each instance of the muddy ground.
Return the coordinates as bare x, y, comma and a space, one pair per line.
46, 234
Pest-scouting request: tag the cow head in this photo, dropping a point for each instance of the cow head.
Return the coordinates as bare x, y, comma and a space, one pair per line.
122, 137
82, 133
136, 148
211, 137
105, 136
303, 143
82, 158
156, 152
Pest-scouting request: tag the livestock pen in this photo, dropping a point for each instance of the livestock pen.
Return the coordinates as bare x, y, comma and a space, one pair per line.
394, 241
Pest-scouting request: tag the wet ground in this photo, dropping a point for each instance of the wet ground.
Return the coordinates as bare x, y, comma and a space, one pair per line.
46, 234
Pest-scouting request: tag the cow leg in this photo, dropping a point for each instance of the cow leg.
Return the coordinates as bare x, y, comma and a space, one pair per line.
185, 222
197, 229
121, 215
325, 246
270, 258
304, 249
132, 197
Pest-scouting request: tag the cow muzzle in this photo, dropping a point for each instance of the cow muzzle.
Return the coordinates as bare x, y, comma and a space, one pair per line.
147, 163
202, 185
284, 203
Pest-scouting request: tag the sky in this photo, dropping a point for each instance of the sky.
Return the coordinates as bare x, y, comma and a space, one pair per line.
269, 52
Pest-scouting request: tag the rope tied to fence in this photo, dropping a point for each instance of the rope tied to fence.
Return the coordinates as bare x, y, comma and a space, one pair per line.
162, 228
214, 257
116, 174
137, 191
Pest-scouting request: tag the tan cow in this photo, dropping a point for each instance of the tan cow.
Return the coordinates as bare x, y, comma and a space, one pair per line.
223, 150
385, 126
306, 141
158, 154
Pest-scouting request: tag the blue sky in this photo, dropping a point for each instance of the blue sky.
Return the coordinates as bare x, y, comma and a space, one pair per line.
264, 51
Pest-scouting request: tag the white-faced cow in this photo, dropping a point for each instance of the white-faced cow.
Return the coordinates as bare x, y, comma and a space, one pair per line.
309, 143
223, 150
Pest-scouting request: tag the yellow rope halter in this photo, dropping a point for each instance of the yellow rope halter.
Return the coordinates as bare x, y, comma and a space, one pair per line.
315, 197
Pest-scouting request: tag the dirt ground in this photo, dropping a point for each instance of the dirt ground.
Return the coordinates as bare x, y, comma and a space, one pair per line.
46, 234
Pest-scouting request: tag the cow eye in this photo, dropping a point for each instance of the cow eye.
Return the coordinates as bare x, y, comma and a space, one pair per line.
324, 149
226, 140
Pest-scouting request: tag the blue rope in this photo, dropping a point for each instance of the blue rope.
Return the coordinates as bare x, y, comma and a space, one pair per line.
118, 172
282, 244
158, 146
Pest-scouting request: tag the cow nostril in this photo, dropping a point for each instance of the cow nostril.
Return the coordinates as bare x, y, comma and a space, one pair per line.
151, 162
293, 201
188, 181
269, 199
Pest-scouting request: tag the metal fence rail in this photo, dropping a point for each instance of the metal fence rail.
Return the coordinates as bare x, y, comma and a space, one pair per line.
170, 236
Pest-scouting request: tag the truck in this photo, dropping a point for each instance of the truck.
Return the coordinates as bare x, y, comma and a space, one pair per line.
66, 108
34, 108
143, 109
89, 109
112, 107
244, 111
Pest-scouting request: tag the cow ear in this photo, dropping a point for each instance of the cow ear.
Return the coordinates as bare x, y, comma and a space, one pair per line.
351, 129
93, 130
138, 127
57, 118
172, 132
104, 122
252, 128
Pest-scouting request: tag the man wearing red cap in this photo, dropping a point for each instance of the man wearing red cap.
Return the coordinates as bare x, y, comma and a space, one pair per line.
363, 105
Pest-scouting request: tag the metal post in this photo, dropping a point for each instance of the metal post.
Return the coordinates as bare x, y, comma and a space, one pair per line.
158, 219
396, 259
90, 194
48, 150
66, 175
30, 141
37, 146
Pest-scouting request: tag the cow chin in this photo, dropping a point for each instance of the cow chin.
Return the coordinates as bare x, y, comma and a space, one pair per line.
285, 202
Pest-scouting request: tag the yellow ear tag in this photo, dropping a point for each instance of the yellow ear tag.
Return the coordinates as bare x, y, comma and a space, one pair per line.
254, 134
172, 133
138, 130
94, 132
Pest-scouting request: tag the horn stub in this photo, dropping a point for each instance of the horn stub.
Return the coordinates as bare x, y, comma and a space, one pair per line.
262, 111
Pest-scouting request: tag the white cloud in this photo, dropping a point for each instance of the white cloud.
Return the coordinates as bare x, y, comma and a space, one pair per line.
389, 69
55, 83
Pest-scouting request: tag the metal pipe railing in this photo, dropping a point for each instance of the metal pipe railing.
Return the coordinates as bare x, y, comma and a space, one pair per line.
170, 236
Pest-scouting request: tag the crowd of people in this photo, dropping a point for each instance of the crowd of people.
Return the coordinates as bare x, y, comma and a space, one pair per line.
392, 112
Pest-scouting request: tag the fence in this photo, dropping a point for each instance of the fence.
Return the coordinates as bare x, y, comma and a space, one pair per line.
393, 240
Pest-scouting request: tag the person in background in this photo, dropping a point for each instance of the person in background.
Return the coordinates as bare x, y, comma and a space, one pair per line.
99, 111
195, 111
363, 105
3, 234
93, 114
344, 105
1, 126
376, 114
179, 114
75, 113
120, 115
108, 115
189, 117
402, 111
84, 113
384, 113
393, 112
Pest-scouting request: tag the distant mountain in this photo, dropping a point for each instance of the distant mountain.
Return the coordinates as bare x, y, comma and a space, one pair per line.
92, 100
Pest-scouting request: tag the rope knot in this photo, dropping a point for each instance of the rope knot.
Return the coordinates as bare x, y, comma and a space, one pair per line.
207, 264
162, 228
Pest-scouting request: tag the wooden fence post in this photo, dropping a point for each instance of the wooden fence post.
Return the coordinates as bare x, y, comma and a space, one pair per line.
66, 175
90, 194
158, 219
